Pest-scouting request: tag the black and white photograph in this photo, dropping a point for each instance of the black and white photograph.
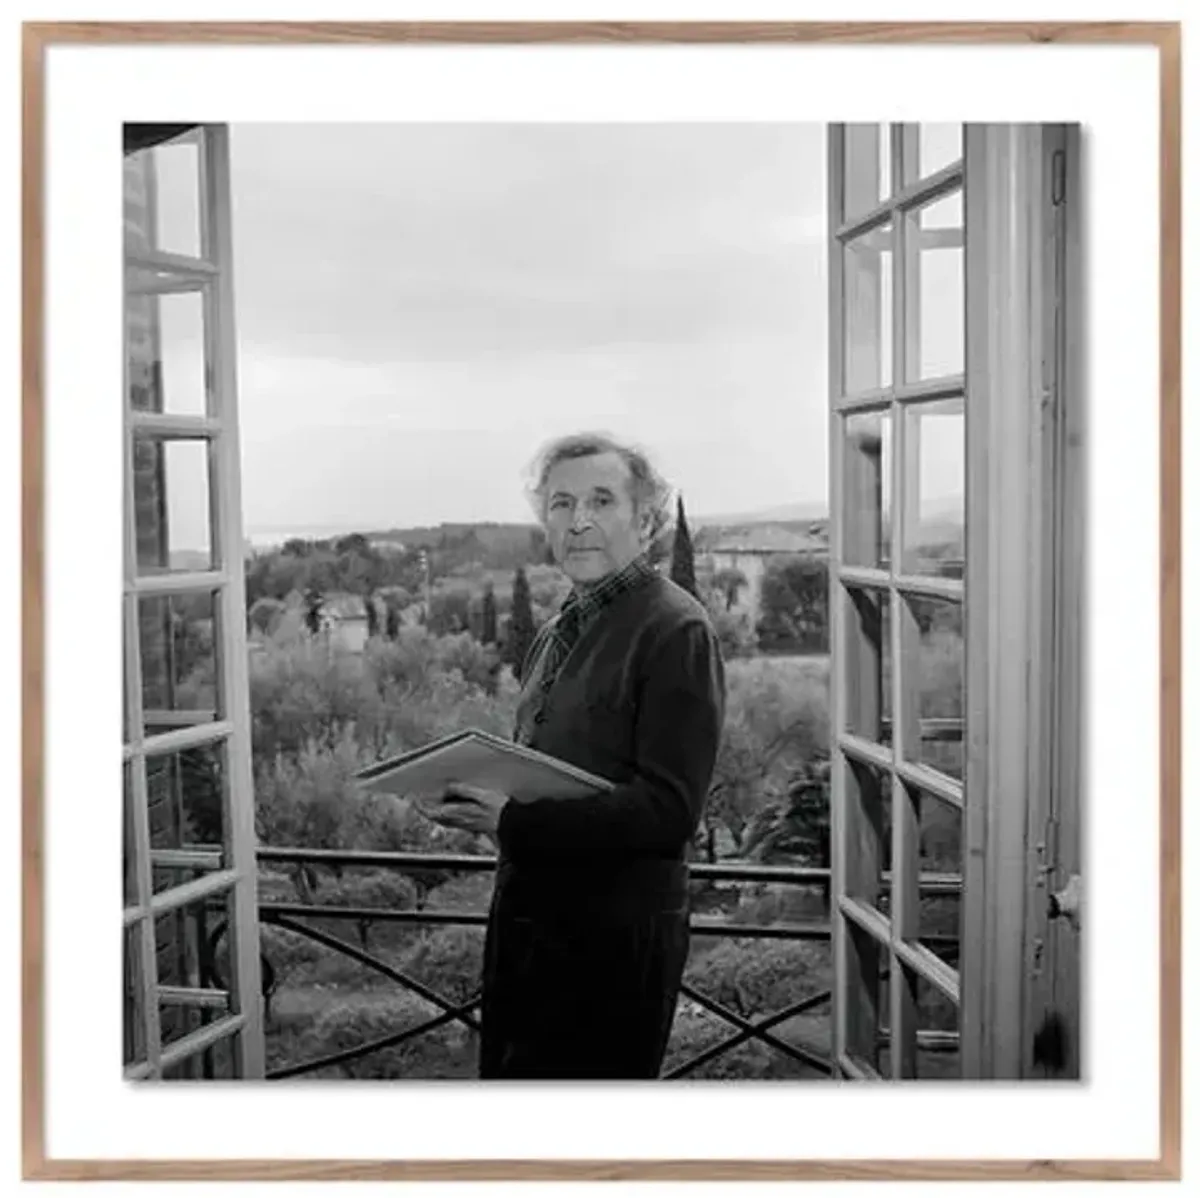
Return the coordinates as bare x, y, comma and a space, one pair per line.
603, 601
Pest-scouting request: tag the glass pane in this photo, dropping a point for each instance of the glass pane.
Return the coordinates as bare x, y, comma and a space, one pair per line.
171, 502
940, 854
165, 335
162, 198
133, 997
186, 941
128, 852
937, 1017
939, 144
869, 831
218, 1063
868, 664
936, 310
941, 683
867, 968
868, 176
867, 361
935, 476
867, 490
179, 661
937, 1020
187, 814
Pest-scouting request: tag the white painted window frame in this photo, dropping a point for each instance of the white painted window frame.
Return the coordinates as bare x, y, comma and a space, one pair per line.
866, 941
1022, 597
211, 275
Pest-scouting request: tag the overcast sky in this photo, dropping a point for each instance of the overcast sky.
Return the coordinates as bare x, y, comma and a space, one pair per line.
419, 307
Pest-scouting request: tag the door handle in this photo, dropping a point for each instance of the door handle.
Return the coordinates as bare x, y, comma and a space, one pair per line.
1068, 902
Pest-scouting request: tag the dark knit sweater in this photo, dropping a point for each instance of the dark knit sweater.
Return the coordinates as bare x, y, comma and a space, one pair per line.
639, 701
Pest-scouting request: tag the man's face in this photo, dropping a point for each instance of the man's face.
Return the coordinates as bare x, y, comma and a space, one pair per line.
593, 527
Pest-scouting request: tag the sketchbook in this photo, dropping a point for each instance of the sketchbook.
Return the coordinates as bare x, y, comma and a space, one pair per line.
481, 759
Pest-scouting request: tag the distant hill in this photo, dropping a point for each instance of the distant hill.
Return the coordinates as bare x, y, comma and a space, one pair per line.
428, 535
788, 513
191, 559
502, 545
505, 546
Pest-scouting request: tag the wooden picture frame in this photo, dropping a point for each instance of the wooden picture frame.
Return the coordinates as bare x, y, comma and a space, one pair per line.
39, 37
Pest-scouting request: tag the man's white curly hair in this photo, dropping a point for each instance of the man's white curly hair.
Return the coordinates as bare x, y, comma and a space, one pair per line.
650, 491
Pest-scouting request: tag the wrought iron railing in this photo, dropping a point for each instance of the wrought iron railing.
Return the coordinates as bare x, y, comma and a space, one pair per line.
295, 917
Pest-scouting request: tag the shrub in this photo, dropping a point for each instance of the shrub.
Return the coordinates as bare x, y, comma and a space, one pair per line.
354, 1020
773, 725
310, 799
448, 961
758, 977
695, 1031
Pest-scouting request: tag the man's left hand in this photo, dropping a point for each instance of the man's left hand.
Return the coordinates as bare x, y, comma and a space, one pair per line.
471, 808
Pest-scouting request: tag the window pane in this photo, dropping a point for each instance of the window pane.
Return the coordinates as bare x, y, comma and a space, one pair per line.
171, 501
867, 168
187, 814
867, 281
937, 1020
869, 826
128, 851
940, 685
938, 297
218, 1063
940, 853
166, 352
162, 198
934, 524
867, 664
867, 489
126, 677
939, 144
186, 941
867, 969
133, 997
937, 1016
179, 661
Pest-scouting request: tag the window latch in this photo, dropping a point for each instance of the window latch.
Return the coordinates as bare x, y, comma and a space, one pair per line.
1068, 902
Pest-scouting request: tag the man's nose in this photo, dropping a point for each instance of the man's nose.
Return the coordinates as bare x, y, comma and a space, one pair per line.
581, 517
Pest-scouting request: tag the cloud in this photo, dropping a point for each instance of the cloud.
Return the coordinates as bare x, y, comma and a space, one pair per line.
420, 306
463, 243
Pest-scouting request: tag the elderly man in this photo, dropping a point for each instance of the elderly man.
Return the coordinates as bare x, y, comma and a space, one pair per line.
588, 930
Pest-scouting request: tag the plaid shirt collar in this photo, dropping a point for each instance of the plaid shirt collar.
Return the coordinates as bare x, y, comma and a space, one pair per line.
583, 605
587, 600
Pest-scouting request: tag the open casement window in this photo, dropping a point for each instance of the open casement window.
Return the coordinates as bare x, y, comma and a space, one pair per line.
191, 966
956, 539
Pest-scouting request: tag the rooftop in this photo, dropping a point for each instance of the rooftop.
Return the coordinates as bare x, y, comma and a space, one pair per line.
767, 538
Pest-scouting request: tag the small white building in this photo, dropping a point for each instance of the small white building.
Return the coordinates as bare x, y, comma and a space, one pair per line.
750, 551
344, 621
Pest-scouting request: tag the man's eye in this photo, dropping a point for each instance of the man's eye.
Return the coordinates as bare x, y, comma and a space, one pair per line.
557, 503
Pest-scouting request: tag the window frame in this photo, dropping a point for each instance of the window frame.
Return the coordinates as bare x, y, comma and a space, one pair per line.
864, 939
1022, 610
239, 1015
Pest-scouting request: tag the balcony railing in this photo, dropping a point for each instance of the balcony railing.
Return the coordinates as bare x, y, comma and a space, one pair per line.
297, 917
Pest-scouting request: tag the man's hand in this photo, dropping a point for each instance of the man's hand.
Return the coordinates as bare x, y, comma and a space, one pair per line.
470, 808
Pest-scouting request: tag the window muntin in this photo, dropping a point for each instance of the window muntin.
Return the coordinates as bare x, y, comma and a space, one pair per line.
899, 425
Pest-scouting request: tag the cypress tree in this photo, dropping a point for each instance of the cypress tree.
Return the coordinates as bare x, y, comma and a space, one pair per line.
520, 624
372, 615
683, 557
489, 616
313, 605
